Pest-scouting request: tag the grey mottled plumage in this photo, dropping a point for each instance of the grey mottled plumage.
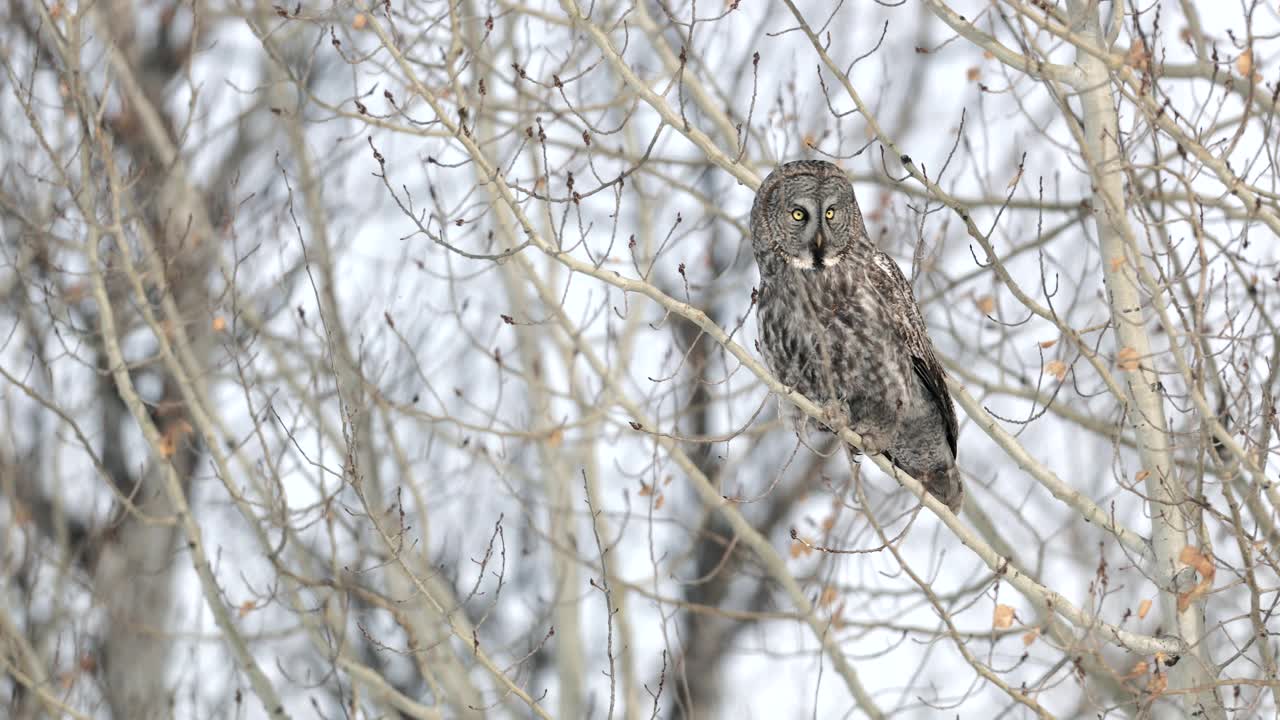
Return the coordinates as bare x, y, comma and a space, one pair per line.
839, 324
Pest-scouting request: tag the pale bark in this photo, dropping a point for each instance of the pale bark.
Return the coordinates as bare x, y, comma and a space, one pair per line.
398, 360
1166, 487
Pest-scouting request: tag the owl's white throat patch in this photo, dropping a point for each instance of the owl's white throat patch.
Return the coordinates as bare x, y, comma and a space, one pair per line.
805, 262
801, 262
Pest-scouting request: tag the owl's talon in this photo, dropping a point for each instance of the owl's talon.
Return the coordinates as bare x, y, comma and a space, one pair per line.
873, 441
833, 416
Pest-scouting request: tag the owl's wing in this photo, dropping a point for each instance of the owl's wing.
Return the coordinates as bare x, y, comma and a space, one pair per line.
908, 322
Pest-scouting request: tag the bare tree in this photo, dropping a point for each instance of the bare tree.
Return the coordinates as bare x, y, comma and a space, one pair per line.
398, 359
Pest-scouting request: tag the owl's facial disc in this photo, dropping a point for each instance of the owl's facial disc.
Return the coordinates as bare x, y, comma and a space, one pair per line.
815, 239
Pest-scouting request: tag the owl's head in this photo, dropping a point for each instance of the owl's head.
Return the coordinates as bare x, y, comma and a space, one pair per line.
806, 214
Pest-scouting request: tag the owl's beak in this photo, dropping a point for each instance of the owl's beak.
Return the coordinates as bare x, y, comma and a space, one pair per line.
818, 252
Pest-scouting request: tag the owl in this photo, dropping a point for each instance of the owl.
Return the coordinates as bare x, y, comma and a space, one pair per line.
839, 324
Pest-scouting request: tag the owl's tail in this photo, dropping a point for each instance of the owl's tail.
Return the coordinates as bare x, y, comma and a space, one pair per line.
942, 481
944, 484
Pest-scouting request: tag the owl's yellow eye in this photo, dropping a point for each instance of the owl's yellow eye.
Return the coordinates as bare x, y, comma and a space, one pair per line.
799, 215
831, 213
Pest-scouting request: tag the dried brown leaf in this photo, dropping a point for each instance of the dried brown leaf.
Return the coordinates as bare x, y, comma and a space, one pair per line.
1056, 368
799, 548
1137, 56
1003, 617
1127, 359
1144, 607
1203, 564
1244, 63
173, 433
986, 304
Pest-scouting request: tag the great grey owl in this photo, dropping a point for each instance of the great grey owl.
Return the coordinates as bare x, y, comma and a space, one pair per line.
840, 325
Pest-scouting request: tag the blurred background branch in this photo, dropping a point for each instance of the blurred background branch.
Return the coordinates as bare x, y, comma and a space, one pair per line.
399, 360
